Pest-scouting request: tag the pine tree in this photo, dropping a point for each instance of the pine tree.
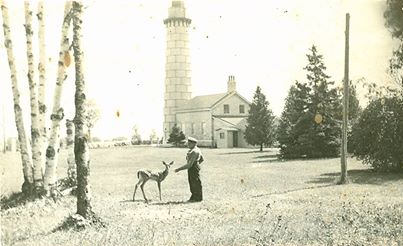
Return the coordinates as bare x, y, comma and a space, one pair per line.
296, 106
324, 134
308, 125
176, 136
260, 122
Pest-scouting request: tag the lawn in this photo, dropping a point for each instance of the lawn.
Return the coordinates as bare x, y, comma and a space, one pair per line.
251, 198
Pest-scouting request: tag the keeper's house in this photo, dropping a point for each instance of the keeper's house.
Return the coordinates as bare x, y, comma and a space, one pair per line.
217, 120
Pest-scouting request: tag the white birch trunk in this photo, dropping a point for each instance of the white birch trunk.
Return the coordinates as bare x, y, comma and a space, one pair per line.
52, 152
41, 89
25, 148
71, 170
81, 149
33, 88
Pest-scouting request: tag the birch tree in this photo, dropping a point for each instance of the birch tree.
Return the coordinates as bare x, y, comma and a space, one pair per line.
33, 89
81, 149
52, 152
71, 170
25, 147
41, 89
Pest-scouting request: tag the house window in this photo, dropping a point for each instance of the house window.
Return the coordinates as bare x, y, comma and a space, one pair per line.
203, 128
241, 109
222, 135
193, 128
226, 108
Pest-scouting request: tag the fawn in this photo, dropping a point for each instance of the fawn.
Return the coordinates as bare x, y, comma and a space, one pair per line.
145, 175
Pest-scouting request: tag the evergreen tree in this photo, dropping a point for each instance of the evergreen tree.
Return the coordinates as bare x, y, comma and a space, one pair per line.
176, 136
260, 122
308, 125
295, 106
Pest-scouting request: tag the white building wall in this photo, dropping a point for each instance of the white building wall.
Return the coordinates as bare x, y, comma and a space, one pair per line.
196, 118
233, 102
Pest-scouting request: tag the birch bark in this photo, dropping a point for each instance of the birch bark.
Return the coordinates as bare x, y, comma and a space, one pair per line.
71, 170
33, 89
81, 149
42, 85
52, 152
25, 147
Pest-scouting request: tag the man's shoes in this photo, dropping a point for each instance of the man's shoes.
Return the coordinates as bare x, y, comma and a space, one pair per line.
194, 200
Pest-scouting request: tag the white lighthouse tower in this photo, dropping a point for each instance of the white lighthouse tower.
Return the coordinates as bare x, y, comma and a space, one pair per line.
177, 67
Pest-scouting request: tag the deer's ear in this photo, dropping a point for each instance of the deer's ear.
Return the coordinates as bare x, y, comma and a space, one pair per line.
172, 162
163, 162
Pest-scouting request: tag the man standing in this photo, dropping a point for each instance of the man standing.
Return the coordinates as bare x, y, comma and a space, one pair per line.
194, 158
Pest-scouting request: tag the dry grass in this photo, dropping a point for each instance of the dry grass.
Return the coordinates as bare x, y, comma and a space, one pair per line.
250, 199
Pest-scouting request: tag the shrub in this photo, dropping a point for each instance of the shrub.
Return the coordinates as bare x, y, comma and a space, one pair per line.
377, 137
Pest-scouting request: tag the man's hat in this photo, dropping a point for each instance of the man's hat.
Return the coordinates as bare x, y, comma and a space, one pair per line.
190, 139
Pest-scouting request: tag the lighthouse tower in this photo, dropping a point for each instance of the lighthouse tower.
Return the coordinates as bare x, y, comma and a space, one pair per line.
177, 67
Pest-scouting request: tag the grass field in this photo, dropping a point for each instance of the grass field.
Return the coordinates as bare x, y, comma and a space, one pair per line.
251, 198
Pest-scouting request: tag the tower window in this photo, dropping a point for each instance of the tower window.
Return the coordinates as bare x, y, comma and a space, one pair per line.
226, 108
241, 109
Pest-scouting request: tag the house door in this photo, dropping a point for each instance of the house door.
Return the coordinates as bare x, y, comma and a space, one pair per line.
235, 139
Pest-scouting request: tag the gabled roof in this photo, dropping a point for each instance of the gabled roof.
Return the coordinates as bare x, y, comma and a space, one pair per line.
201, 102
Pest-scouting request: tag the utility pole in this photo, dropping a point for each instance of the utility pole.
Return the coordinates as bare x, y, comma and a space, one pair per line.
343, 177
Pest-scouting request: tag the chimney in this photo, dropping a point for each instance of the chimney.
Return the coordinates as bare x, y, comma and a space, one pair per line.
231, 84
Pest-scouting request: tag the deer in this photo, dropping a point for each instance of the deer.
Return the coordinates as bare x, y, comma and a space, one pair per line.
145, 175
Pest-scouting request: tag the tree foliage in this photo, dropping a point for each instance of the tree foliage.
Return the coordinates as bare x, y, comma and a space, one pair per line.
309, 125
260, 123
354, 113
176, 136
394, 22
378, 135
394, 17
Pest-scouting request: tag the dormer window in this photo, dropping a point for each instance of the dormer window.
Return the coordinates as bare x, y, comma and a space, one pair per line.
226, 108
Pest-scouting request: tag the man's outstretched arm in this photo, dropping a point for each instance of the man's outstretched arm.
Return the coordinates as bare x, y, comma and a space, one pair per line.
192, 159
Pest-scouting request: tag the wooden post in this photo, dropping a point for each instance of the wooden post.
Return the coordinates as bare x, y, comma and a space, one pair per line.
343, 177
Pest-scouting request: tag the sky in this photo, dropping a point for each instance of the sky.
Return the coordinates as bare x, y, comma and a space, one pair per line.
261, 42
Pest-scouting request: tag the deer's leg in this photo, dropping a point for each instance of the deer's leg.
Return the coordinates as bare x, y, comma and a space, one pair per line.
142, 189
135, 189
159, 189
